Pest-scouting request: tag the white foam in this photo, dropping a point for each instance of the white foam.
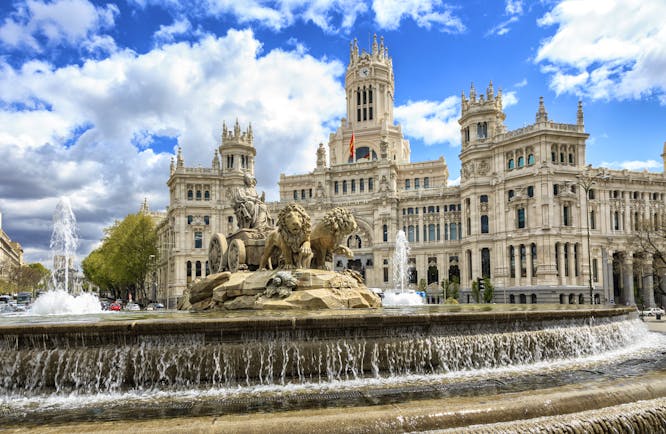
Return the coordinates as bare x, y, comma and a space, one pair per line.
401, 298
59, 302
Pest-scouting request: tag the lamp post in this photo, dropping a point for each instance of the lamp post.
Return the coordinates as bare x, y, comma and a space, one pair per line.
586, 182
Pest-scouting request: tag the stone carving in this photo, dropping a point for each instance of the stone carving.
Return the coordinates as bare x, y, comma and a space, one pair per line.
483, 168
327, 236
291, 238
281, 285
250, 209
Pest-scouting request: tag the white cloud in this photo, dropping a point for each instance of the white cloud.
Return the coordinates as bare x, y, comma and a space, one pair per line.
606, 49
330, 15
634, 165
431, 121
92, 148
70, 22
502, 28
168, 33
513, 7
426, 14
509, 98
521, 83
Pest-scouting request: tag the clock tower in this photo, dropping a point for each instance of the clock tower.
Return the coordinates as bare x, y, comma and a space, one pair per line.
369, 87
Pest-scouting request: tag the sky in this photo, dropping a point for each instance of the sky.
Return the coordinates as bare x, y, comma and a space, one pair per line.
96, 96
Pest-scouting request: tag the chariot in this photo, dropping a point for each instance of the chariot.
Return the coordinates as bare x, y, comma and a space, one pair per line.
239, 251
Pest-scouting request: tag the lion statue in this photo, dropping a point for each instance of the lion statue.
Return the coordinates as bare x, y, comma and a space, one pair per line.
291, 237
327, 236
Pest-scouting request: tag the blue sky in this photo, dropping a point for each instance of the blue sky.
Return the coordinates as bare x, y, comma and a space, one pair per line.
95, 96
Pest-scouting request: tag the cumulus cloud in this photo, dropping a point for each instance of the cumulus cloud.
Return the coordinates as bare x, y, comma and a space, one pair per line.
97, 148
36, 24
633, 165
509, 98
513, 9
431, 121
606, 50
168, 33
426, 14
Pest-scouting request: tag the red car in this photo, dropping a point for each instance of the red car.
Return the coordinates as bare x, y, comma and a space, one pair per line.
115, 306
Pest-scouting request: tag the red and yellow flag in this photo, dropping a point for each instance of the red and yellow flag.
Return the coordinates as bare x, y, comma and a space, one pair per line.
351, 147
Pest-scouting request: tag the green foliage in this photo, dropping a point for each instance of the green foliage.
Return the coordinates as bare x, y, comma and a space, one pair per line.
488, 290
122, 262
476, 294
27, 278
451, 288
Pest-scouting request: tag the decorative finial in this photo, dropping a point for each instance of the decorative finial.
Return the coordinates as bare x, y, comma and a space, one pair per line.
374, 44
179, 159
236, 129
580, 120
490, 92
472, 92
542, 115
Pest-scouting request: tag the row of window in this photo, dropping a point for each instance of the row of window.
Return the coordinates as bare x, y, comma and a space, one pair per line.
303, 194
206, 219
430, 209
196, 269
351, 185
364, 104
417, 183
520, 162
431, 232
244, 161
192, 195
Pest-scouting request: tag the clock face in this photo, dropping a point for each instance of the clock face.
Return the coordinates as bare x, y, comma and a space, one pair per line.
364, 72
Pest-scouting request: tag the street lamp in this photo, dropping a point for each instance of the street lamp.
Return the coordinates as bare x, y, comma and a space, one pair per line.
586, 181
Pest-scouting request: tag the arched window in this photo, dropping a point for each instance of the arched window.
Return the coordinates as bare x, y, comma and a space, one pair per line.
365, 153
533, 250
523, 299
190, 195
521, 161
344, 187
206, 195
197, 269
530, 159
571, 159
512, 261
534, 299
572, 299
563, 299
512, 299
189, 270
198, 194
581, 299
511, 164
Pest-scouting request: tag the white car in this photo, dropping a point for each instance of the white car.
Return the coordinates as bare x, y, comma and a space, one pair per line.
653, 311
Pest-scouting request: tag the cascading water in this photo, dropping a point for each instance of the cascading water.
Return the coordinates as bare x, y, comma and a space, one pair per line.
400, 295
59, 299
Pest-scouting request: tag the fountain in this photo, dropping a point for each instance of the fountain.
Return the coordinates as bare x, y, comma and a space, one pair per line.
60, 298
410, 368
400, 295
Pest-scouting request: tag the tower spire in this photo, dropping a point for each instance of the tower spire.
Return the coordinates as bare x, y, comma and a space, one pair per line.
580, 120
542, 114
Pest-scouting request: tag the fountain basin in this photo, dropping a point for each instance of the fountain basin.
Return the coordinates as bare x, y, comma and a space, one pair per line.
197, 365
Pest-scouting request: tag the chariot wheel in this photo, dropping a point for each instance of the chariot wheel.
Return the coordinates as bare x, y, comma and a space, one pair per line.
217, 253
236, 255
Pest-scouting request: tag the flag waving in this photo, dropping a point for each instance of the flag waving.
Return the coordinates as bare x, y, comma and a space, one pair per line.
351, 148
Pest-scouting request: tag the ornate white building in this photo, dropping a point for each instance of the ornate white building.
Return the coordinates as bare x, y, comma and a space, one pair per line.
520, 216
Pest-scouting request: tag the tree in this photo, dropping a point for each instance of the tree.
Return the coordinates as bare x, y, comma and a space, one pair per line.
649, 246
451, 288
27, 278
122, 263
488, 290
476, 294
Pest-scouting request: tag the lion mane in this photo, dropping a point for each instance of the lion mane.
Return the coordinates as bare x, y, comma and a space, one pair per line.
290, 242
327, 236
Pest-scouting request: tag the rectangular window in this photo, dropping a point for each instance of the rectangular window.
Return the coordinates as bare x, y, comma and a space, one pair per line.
407, 184
344, 187
358, 115
230, 161
426, 182
416, 183
295, 194
484, 224
303, 194
335, 187
365, 114
595, 271
370, 113
454, 232
361, 184
386, 276
520, 217
353, 186
198, 240
566, 218
370, 184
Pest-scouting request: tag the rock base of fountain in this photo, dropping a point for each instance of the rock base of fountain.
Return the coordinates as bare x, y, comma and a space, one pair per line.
306, 289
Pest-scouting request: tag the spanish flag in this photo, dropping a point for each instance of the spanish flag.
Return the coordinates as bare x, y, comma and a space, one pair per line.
351, 147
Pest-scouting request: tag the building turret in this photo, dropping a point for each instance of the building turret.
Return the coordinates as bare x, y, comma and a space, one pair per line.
481, 118
180, 162
237, 149
216, 160
542, 114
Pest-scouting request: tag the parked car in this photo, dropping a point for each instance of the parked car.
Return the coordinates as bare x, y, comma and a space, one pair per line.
115, 307
132, 306
155, 306
653, 311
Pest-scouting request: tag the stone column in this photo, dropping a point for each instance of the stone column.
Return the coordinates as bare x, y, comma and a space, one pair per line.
572, 265
560, 263
607, 275
516, 265
648, 285
528, 258
628, 275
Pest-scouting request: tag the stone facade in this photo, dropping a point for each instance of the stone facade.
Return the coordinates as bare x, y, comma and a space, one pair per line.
520, 215
11, 254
